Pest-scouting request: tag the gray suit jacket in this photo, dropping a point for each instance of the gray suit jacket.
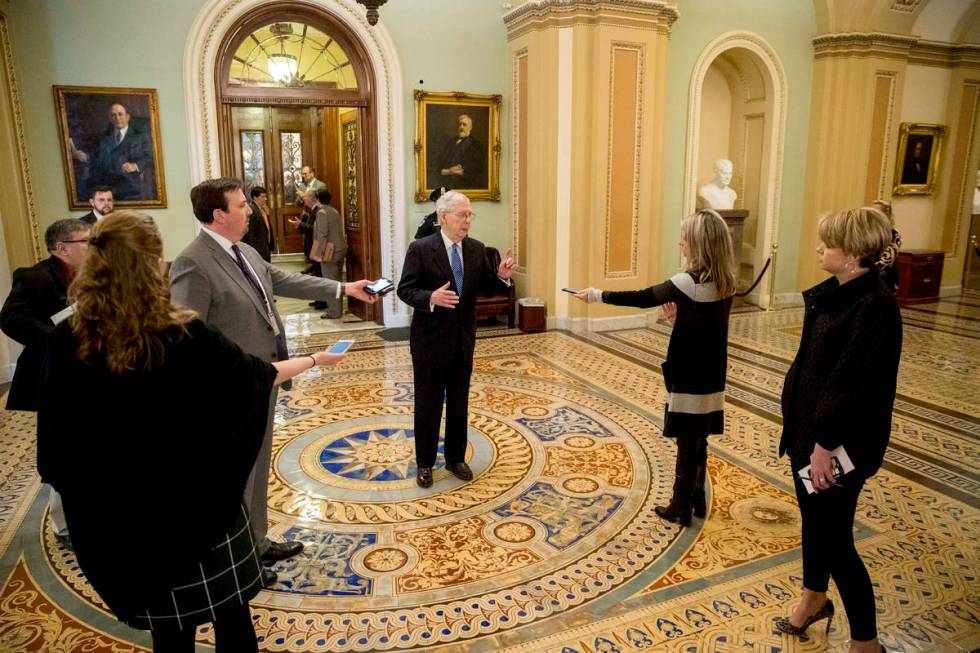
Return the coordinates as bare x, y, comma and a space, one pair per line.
205, 278
329, 228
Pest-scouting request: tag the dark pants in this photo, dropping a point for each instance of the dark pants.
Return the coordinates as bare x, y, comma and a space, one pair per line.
233, 633
829, 551
433, 381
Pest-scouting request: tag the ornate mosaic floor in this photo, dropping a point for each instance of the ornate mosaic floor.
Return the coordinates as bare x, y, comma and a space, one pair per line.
554, 545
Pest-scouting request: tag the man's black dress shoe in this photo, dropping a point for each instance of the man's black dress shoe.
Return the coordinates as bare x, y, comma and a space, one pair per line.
461, 471
280, 551
269, 577
319, 305
424, 477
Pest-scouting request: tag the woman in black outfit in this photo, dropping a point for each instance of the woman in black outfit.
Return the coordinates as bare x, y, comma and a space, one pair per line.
699, 300
152, 473
839, 392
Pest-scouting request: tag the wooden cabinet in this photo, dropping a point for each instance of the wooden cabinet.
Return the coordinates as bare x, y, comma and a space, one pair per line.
919, 274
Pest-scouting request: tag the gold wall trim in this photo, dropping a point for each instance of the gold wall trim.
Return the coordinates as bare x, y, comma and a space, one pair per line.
918, 51
519, 153
881, 133
16, 113
658, 15
613, 268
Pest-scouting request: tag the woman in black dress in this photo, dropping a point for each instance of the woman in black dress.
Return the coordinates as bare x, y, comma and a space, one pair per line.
700, 300
149, 423
839, 392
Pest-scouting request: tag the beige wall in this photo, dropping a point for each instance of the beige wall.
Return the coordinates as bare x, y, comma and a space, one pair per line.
925, 101
716, 122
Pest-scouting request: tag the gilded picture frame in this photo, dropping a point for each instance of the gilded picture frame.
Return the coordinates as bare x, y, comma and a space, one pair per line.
920, 149
111, 137
457, 144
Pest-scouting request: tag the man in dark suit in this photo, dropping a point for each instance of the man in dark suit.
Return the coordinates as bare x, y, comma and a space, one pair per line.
441, 277
100, 199
38, 294
232, 289
259, 234
916, 168
124, 157
463, 160
430, 223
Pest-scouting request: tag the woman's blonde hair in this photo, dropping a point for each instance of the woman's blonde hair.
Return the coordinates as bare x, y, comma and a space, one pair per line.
864, 233
122, 298
710, 255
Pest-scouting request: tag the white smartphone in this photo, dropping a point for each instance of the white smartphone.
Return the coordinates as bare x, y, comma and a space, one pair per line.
340, 347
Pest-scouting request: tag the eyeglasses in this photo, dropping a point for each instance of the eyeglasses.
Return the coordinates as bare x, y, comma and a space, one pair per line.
466, 215
77, 240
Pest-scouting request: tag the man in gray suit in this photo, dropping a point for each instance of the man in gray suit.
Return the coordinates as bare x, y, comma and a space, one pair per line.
232, 289
329, 243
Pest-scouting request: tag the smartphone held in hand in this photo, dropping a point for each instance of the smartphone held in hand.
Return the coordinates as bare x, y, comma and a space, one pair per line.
381, 287
340, 347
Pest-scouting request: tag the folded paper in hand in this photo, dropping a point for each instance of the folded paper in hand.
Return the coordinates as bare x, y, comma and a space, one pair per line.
840, 463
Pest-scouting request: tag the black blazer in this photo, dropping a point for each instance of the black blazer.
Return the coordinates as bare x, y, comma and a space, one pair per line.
89, 218
840, 389
442, 334
36, 294
258, 236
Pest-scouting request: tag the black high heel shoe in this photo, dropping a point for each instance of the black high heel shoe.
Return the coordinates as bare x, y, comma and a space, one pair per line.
826, 611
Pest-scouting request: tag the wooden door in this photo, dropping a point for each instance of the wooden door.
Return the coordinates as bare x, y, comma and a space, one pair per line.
271, 145
351, 167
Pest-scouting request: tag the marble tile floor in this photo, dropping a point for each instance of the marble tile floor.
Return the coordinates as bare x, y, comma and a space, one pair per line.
554, 546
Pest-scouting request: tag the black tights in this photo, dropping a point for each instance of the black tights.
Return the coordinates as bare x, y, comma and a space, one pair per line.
233, 633
829, 551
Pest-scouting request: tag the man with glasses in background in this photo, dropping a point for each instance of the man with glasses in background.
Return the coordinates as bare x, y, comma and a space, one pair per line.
37, 301
441, 277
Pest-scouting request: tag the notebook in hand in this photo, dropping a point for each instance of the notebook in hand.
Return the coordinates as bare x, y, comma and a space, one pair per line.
840, 463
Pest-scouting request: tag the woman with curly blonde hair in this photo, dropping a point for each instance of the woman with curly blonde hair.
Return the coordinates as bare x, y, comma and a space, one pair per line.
148, 426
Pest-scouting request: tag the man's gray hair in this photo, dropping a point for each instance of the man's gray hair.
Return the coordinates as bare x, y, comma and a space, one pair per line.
450, 200
62, 230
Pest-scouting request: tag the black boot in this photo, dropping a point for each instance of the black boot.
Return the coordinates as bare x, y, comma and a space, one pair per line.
679, 510
698, 499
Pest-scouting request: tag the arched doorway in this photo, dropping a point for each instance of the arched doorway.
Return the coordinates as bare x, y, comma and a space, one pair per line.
235, 104
737, 111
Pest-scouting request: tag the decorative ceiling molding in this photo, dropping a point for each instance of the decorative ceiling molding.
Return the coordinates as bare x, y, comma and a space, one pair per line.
906, 6
878, 44
658, 15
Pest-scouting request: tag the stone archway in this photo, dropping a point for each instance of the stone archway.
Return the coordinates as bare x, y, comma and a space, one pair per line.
216, 19
750, 60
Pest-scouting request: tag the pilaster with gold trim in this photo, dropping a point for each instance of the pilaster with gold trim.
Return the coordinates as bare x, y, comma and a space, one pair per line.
588, 117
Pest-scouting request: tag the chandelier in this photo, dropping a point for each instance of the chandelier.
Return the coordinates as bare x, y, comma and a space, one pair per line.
372, 9
282, 67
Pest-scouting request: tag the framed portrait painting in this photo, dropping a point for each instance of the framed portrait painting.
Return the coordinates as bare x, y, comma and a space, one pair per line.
110, 137
920, 148
457, 144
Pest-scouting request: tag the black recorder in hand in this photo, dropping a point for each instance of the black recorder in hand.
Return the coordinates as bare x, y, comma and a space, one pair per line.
381, 287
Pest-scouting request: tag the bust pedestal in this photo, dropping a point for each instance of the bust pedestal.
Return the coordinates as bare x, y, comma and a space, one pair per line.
735, 219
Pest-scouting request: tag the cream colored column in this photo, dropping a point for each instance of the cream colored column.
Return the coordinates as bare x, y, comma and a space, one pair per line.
857, 84
20, 240
588, 116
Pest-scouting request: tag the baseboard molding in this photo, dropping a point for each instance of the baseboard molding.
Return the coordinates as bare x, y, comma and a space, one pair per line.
951, 291
7, 373
597, 324
788, 300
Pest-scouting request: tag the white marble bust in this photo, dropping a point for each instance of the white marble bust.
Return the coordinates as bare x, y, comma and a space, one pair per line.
718, 195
